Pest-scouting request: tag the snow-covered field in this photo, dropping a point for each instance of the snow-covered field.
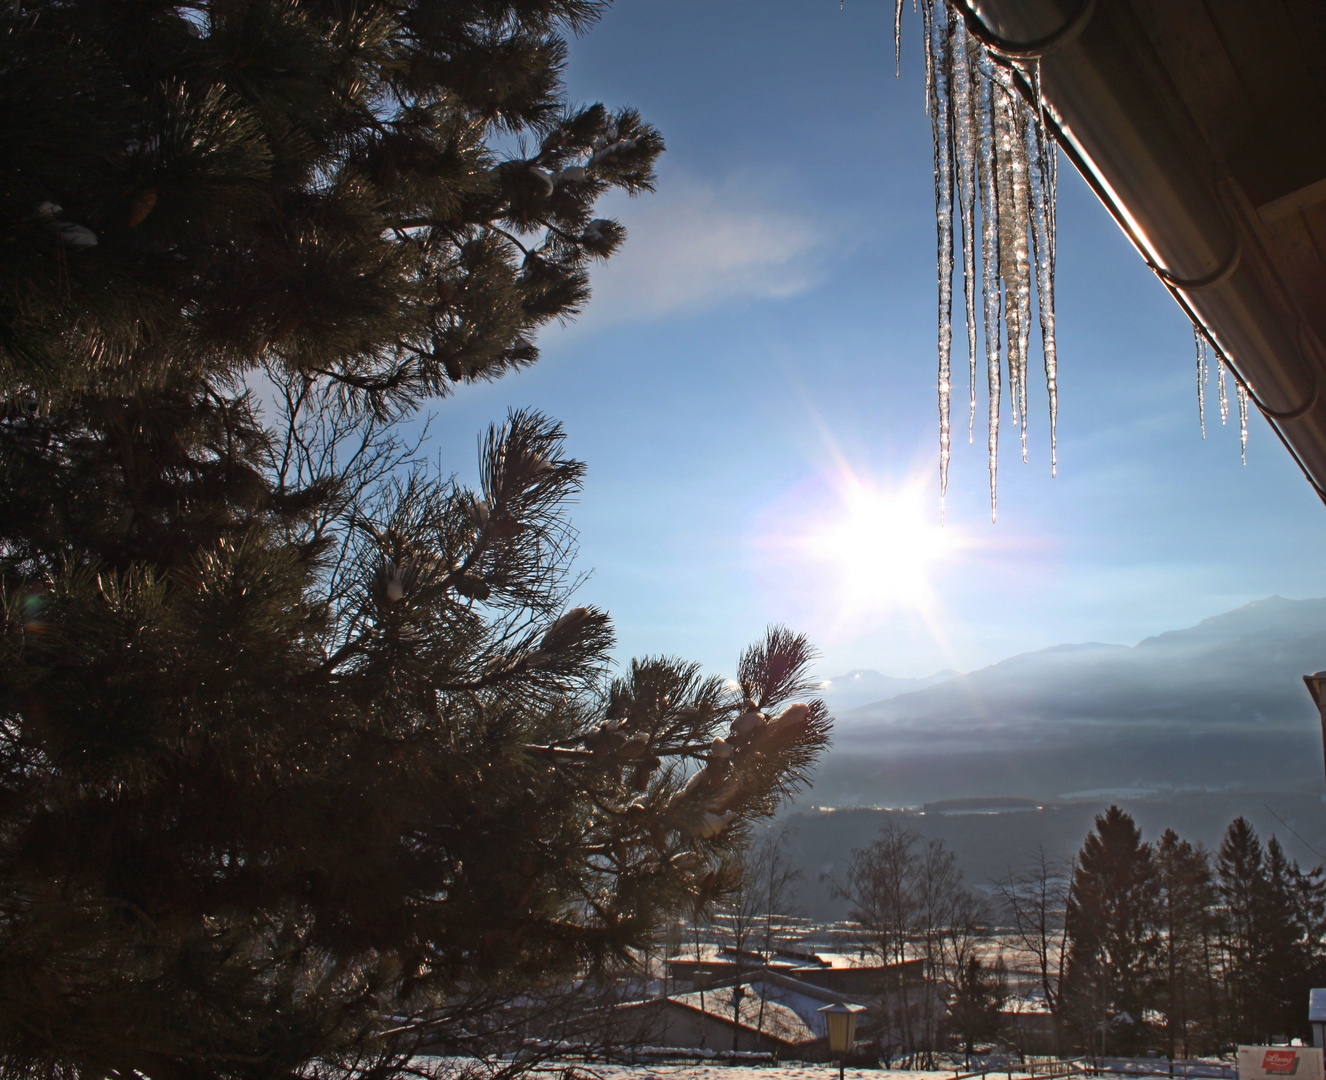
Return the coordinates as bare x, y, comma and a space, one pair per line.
436, 1068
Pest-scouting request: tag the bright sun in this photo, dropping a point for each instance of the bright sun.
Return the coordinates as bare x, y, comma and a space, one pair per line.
884, 547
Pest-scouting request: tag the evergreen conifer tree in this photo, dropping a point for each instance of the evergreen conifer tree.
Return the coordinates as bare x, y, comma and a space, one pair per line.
1111, 938
1185, 915
307, 755
1239, 867
975, 1010
1273, 913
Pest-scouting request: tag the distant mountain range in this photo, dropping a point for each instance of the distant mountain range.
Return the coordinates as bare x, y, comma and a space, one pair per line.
863, 686
1220, 706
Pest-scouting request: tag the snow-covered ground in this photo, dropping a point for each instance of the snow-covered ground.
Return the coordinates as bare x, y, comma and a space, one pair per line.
454, 1068
468, 1069
793, 1070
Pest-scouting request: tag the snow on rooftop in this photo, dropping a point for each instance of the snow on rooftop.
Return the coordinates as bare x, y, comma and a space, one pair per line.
1026, 1005
792, 957
779, 1021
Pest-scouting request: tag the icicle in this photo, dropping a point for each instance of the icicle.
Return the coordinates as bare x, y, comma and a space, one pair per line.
927, 22
1243, 420
964, 141
994, 149
1004, 213
940, 117
1041, 151
985, 158
1207, 353
1200, 340
1010, 160
1021, 276
897, 38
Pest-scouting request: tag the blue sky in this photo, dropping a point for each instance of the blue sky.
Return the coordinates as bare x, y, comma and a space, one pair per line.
771, 323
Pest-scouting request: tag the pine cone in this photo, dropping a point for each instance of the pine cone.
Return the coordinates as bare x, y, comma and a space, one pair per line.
141, 206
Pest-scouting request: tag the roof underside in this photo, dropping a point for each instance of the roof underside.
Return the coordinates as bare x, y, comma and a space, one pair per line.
1202, 126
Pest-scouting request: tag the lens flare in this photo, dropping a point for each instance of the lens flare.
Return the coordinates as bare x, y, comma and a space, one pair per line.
882, 547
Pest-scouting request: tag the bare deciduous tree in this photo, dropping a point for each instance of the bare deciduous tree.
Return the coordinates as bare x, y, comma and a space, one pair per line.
908, 895
773, 877
1033, 900
752, 918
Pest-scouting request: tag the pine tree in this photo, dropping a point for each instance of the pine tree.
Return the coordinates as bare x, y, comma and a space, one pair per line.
308, 756
195, 190
1110, 928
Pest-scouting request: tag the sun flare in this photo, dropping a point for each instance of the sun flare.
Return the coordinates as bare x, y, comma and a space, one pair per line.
884, 547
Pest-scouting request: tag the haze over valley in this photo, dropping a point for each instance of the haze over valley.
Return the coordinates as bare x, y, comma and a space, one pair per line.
1219, 706
1186, 729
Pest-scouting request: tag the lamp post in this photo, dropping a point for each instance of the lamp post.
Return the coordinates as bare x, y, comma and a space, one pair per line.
840, 1018
1315, 682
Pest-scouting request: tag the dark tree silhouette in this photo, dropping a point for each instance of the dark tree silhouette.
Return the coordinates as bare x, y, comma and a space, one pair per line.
1186, 917
975, 1010
1111, 935
1273, 935
307, 756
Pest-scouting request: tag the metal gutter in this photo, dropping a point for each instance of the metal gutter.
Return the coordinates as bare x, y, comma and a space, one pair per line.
1125, 127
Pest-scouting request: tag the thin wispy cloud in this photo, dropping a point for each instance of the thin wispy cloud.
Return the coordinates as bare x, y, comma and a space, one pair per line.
695, 245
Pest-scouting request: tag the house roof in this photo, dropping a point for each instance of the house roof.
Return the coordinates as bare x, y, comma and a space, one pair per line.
776, 1022
852, 960
779, 1021
788, 981
1198, 124
1026, 1005
791, 960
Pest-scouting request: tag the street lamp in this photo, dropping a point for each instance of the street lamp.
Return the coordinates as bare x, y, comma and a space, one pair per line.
840, 1018
1315, 683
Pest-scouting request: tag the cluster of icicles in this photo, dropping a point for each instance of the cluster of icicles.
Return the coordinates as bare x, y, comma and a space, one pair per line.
1205, 356
995, 162
992, 149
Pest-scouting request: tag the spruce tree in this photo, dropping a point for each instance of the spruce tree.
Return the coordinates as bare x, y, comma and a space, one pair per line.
1111, 938
308, 756
1273, 915
1239, 867
975, 1011
1186, 901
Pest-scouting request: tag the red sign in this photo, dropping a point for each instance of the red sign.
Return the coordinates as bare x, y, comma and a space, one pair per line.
1280, 1062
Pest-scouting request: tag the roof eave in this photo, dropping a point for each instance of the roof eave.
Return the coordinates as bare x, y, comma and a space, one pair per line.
1125, 127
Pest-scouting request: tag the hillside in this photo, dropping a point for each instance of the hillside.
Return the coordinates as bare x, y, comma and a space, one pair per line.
1187, 729
992, 843
1216, 707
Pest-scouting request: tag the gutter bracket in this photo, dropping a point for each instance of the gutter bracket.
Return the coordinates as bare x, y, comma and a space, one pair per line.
1024, 50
